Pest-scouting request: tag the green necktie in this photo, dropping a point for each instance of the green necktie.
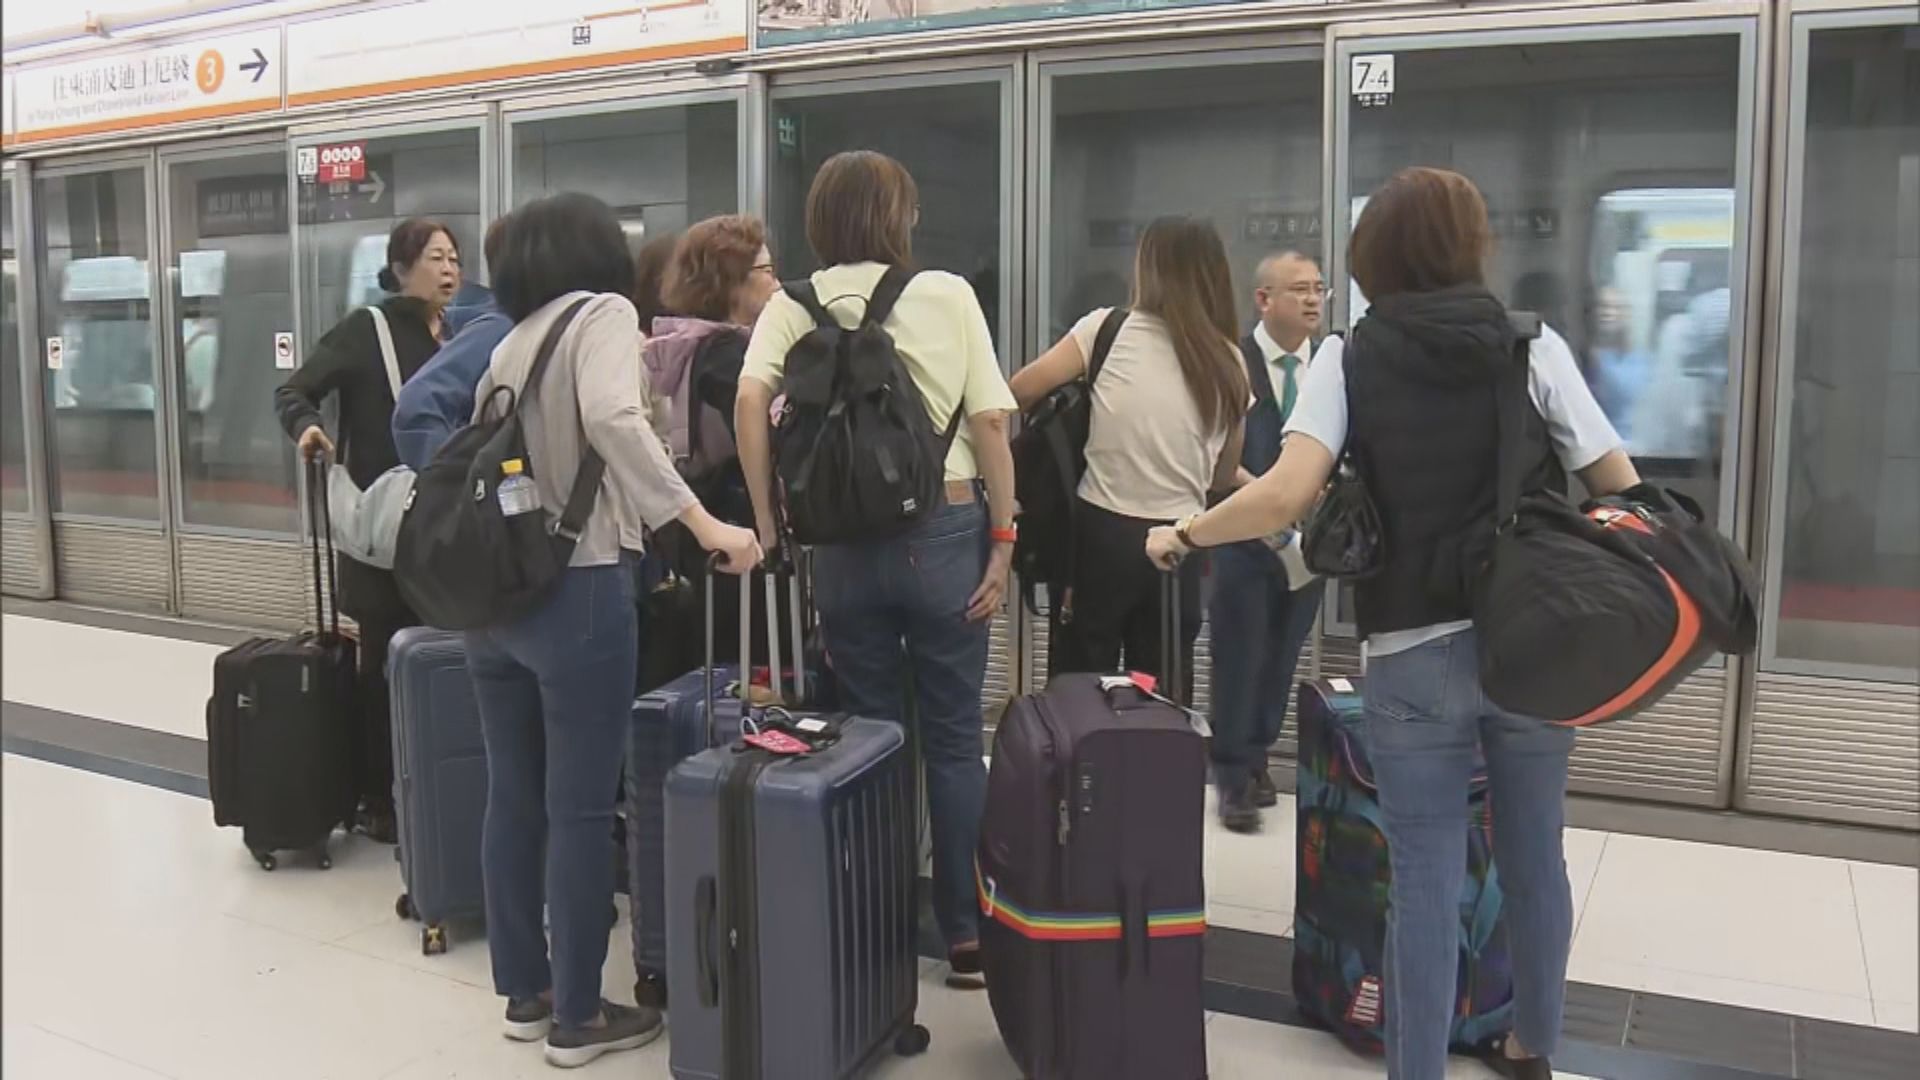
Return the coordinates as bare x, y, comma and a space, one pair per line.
1290, 388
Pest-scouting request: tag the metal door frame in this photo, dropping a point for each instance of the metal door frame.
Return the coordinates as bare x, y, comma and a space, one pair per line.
165, 158
613, 100
1008, 72
1795, 28
26, 236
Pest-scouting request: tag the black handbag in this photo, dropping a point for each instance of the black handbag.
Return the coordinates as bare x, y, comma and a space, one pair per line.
1343, 538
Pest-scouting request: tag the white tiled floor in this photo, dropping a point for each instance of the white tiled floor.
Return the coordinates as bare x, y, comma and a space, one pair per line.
153, 947
143, 944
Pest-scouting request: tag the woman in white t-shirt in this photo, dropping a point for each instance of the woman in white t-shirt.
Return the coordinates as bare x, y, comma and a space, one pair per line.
1167, 412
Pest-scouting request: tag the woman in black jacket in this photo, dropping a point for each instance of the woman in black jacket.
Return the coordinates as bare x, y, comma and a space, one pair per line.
422, 274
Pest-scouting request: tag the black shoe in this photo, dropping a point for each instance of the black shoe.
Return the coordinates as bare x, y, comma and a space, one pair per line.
627, 1028
529, 1020
1533, 1068
1237, 810
1265, 795
377, 823
964, 970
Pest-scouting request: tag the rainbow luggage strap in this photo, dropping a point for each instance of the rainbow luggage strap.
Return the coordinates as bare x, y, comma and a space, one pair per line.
1055, 926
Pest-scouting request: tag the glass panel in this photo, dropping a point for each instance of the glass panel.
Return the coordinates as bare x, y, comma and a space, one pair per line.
948, 137
230, 271
1609, 170
1850, 543
661, 169
1130, 146
13, 416
344, 225
95, 297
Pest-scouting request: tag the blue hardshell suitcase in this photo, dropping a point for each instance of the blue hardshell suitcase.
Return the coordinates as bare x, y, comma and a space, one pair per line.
790, 908
669, 726
439, 781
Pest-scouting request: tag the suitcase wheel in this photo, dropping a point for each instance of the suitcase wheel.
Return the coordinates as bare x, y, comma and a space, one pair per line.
912, 1042
324, 861
266, 860
403, 907
433, 940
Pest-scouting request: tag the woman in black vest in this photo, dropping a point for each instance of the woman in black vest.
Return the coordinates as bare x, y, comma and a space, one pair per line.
1419, 389
422, 275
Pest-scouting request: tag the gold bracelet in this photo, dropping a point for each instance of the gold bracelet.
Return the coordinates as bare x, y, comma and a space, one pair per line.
1183, 531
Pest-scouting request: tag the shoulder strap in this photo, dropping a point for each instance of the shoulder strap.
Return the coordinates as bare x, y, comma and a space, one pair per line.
886, 294
586, 481
1103, 341
384, 332
806, 296
1511, 400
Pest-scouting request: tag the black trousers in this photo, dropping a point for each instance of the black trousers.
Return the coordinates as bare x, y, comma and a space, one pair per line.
1110, 617
373, 601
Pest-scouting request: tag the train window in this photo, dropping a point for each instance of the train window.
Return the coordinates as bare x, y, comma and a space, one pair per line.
95, 298
1130, 145
1846, 503
232, 294
660, 168
13, 414
342, 233
948, 135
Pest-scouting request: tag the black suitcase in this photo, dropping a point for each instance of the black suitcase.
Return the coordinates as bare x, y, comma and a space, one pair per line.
1090, 879
282, 724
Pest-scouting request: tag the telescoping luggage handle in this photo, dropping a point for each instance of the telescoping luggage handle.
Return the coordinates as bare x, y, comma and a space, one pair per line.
326, 602
797, 619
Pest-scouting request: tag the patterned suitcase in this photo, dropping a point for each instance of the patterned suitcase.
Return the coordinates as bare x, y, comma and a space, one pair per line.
1342, 878
439, 781
790, 887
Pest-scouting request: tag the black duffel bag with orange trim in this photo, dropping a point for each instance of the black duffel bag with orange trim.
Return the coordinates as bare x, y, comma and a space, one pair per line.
1591, 615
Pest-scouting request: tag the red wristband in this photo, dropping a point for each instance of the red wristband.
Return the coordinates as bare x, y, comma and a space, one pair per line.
1008, 535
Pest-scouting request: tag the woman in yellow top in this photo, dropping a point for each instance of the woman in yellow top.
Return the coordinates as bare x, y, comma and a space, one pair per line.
917, 604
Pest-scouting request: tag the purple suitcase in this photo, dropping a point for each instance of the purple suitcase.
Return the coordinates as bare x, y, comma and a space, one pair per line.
1091, 891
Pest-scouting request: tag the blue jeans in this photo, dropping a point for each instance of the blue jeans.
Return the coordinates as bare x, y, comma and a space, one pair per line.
555, 692
1427, 724
894, 614
1258, 628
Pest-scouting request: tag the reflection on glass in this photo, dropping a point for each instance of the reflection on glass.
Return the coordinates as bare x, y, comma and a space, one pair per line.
95, 296
13, 416
1130, 146
343, 226
230, 275
1849, 539
661, 169
948, 137
1608, 169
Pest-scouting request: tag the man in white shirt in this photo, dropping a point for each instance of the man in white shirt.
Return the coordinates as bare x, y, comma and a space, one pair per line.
1263, 603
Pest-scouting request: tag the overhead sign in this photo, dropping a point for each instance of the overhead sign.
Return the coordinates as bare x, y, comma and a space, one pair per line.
334, 164
6, 110
791, 22
415, 47
195, 79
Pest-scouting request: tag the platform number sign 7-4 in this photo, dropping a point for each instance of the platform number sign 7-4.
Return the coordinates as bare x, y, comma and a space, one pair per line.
1373, 79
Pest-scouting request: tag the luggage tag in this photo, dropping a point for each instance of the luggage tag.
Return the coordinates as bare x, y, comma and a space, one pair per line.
777, 742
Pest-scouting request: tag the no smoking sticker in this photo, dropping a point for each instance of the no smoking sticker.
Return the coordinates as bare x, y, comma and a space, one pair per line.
283, 351
56, 353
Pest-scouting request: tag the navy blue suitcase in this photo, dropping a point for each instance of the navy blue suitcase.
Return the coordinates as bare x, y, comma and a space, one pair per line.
439, 781
669, 725
791, 915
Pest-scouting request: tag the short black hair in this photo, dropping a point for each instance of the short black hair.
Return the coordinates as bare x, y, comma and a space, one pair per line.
557, 245
406, 243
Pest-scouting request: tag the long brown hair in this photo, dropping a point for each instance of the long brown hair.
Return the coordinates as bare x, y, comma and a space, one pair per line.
1181, 276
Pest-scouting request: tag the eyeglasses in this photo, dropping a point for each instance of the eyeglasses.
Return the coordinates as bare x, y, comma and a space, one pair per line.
768, 267
1304, 291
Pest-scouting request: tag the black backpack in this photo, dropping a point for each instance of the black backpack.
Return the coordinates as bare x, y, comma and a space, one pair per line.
857, 457
462, 563
1049, 458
